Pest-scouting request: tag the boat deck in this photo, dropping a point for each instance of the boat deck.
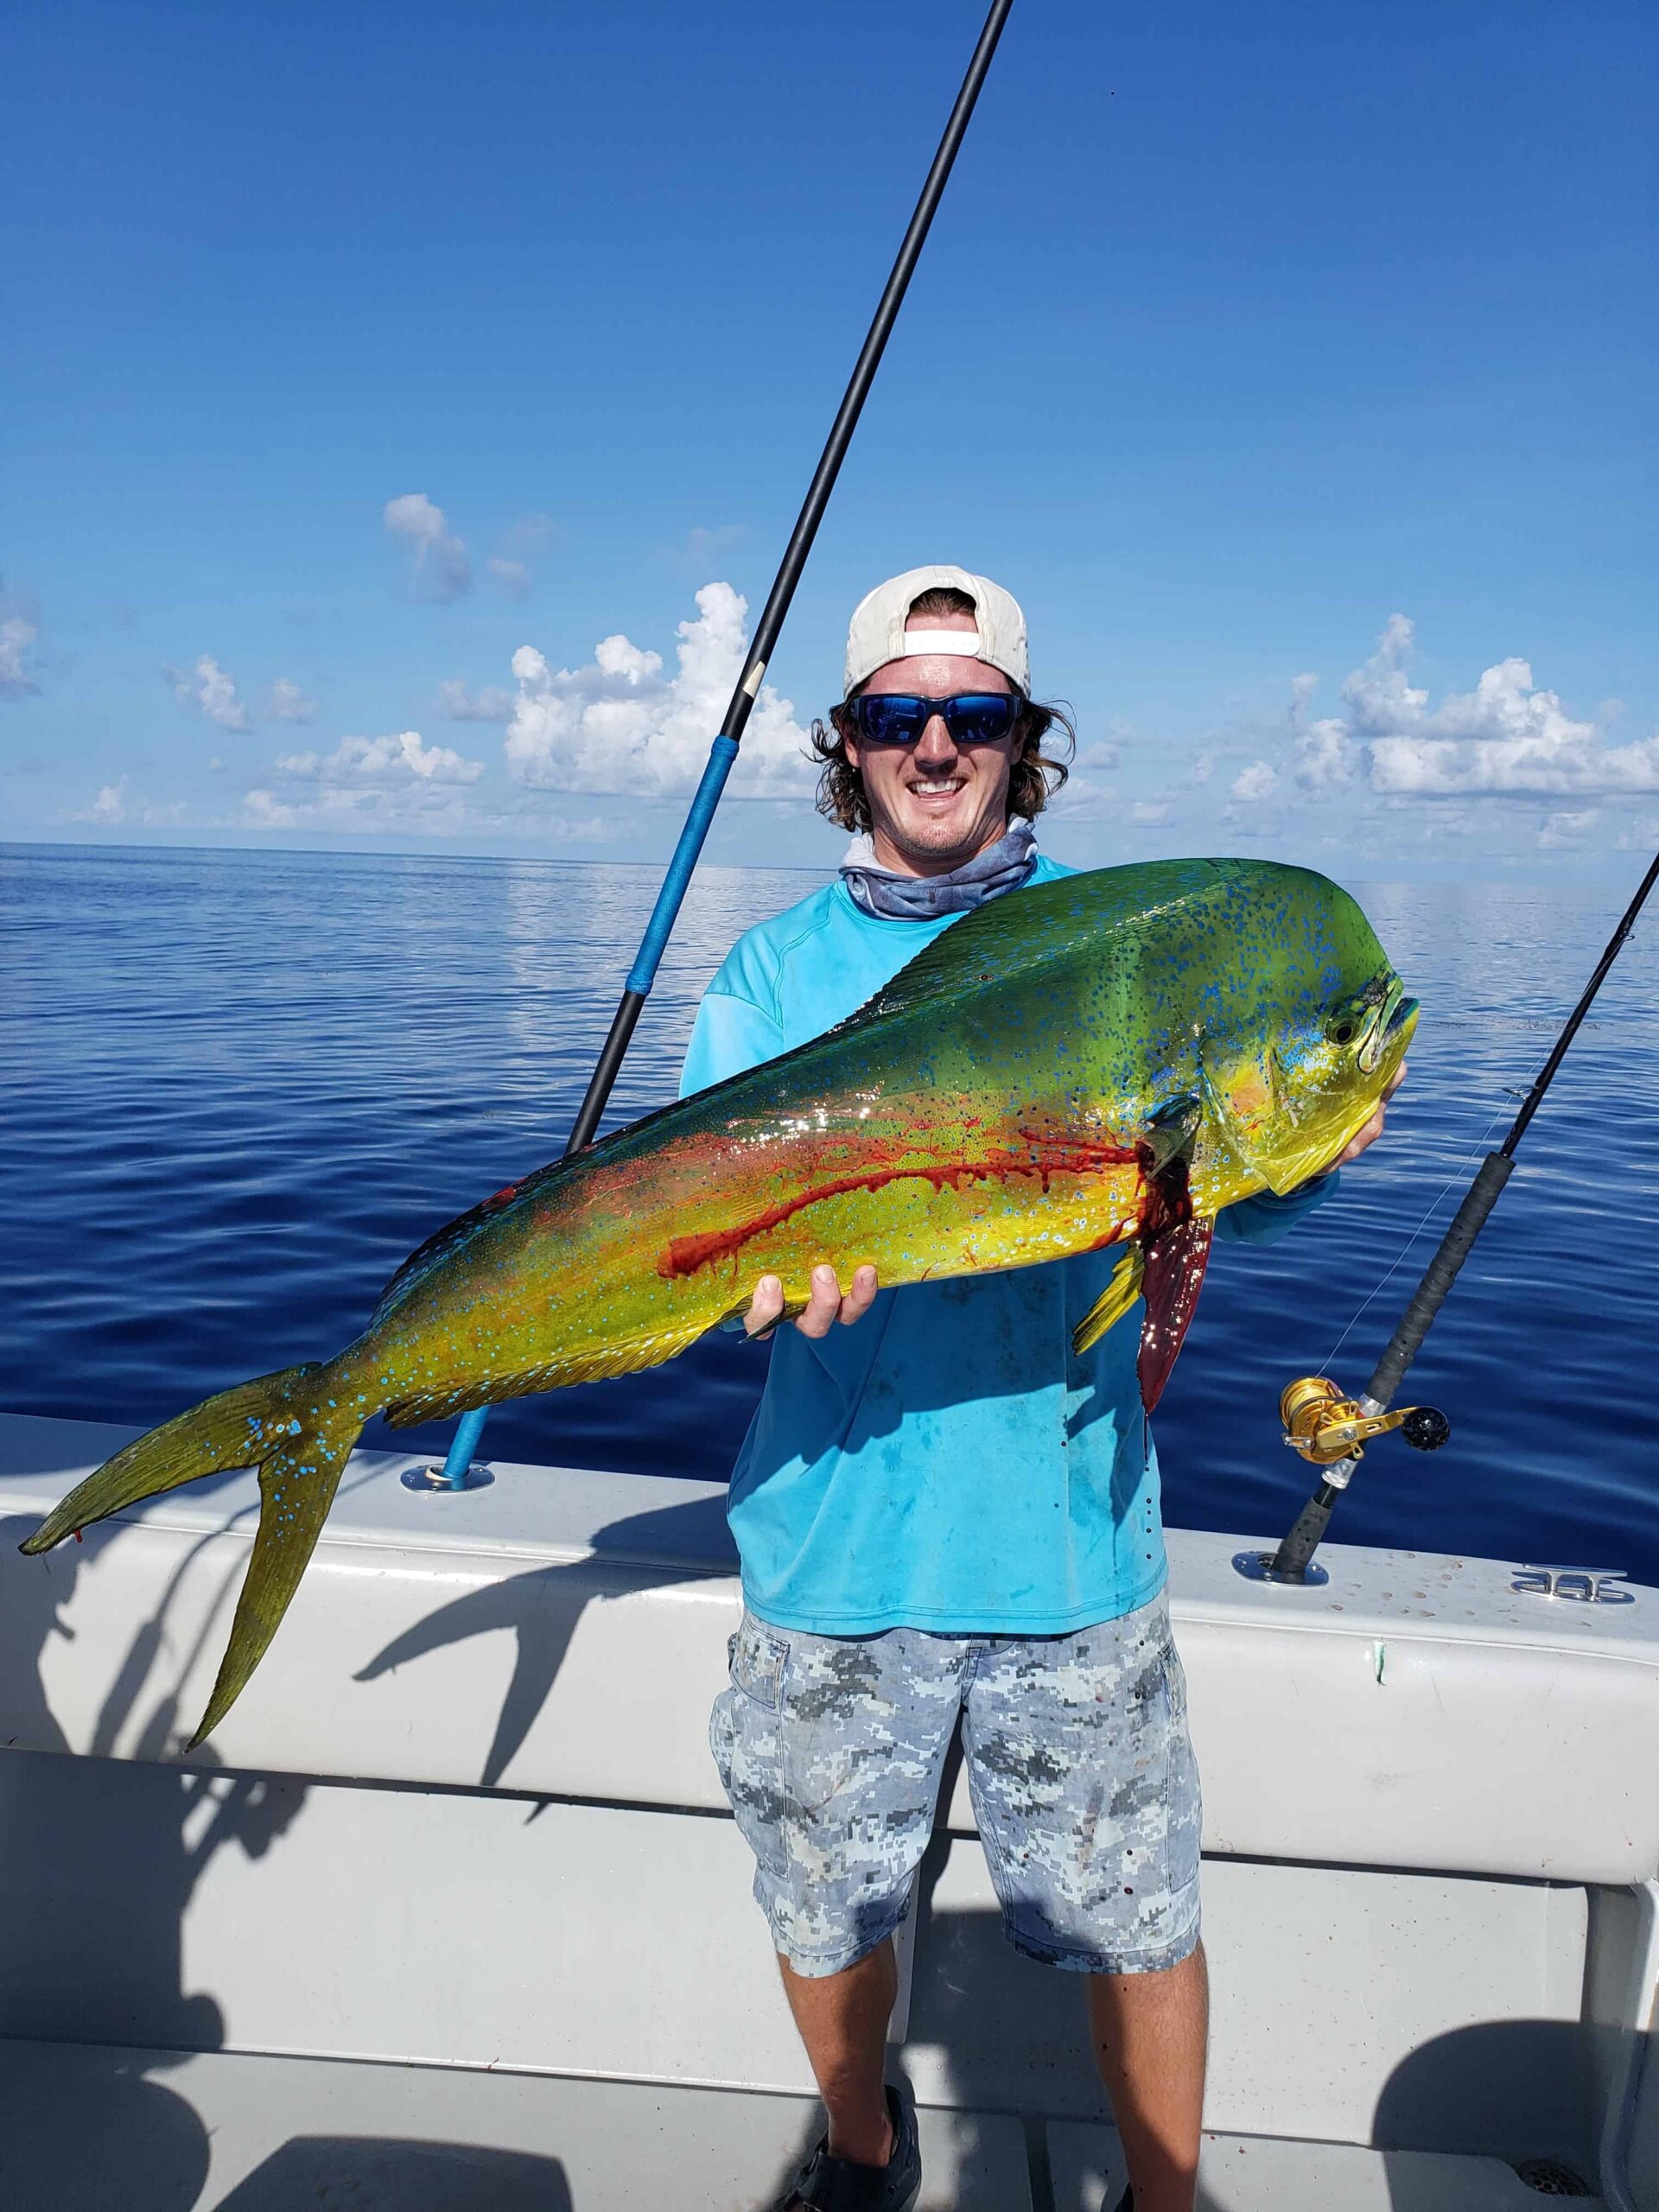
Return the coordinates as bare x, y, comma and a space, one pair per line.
90, 2128
452, 1913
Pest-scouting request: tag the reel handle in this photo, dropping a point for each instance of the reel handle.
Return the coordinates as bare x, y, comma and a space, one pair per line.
1326, 1426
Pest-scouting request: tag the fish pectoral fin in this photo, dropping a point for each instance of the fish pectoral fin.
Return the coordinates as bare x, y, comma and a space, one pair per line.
1113, 1303
735, 1316
1176, 1259
1172, 1128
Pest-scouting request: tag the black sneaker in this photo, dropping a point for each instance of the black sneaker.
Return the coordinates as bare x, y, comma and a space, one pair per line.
826, 2184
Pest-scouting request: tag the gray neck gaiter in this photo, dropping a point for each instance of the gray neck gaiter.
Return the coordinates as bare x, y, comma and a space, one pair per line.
1002, 867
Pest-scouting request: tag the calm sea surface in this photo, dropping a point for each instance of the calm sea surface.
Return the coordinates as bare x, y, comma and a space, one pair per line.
240, 1087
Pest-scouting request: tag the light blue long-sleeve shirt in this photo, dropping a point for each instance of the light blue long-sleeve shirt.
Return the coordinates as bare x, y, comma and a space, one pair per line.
948, 1462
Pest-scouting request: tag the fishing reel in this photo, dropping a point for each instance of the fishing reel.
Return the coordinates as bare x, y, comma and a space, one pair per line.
1326, 1427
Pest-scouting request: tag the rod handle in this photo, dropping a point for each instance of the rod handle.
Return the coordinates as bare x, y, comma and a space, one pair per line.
678, 880
1438, 1277
463, 1445
1290, 1560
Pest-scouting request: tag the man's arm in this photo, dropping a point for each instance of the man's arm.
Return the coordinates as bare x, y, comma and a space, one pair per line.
1266, 1217
730, 1035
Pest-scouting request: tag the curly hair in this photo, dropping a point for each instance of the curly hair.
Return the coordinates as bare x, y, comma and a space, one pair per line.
1034, 778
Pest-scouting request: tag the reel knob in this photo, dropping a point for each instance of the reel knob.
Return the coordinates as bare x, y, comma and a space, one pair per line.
1426, 1428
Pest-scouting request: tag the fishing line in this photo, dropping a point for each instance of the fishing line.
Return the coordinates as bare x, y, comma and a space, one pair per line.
1382, 1283
1333, 1430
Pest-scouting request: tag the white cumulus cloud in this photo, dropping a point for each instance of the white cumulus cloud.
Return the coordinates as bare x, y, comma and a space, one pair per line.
1101, 753
288, 703
508, 567
622, 724
389, 761
1568, 828
1254, 782
211, 687
18, 631
439, 568
1508, 737
116, 806
491, 702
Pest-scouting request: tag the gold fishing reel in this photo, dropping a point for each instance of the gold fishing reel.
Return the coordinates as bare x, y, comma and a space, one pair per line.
1325, 1427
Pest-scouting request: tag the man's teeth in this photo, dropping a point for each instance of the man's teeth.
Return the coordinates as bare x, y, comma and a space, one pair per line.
950, 783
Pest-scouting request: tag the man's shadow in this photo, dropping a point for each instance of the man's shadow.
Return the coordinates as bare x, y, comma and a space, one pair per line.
415, 2176
676, 1543
89, 1960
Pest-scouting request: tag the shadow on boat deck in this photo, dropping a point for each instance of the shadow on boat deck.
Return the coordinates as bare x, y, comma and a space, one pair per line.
543, 1607
1507, 2089
324, 2169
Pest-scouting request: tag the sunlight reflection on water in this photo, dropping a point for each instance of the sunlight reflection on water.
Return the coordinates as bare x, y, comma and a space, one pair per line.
243, 1085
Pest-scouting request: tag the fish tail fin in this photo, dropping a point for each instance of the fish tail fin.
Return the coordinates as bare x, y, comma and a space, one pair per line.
297, 1427
1114, 1301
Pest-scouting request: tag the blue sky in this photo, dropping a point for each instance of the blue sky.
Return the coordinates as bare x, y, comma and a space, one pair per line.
368, 365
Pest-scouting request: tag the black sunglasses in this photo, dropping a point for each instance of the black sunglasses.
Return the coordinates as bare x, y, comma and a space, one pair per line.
899, 717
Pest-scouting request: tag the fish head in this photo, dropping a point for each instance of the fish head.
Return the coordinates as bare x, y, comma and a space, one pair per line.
1313, 1036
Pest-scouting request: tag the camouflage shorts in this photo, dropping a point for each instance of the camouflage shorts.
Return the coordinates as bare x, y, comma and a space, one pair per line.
1084, 1789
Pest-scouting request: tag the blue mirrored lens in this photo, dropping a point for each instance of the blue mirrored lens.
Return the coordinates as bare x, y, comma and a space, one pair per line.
979, 717
892, 717
899, 717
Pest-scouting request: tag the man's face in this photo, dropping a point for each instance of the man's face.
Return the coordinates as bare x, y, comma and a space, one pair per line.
936, 805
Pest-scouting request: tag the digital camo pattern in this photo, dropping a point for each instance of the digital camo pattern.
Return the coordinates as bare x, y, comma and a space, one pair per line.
830, 1750
1109, 1058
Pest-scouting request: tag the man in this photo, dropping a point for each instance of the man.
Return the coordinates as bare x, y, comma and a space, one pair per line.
942, 1511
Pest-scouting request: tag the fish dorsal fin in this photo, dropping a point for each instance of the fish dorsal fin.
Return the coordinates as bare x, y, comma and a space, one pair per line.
1024, 931
1113, 1303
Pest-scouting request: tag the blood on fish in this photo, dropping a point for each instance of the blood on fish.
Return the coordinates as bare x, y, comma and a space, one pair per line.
1081, 1156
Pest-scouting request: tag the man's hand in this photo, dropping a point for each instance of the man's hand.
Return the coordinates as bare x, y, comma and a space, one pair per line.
825, 1305
1373, 1129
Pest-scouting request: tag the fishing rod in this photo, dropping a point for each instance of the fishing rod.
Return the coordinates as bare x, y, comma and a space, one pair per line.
724, 750
1331, 1429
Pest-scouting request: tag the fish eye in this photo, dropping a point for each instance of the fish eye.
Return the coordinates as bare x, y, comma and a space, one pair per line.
1351, 1023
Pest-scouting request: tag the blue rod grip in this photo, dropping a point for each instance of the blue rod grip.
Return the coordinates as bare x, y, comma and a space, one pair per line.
462, 1444
672, 897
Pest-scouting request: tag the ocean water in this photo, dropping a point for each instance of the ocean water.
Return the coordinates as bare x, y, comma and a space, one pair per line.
240, 1087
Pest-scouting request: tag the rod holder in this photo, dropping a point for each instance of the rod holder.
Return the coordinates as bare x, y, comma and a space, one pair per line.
457, 1469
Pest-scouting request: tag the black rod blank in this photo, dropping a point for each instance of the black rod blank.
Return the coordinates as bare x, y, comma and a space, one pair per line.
1290, 1562
677, 876
769, 626
1483, 1193
1558, 1052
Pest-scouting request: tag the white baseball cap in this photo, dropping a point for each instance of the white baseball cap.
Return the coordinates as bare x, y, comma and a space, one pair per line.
878, 633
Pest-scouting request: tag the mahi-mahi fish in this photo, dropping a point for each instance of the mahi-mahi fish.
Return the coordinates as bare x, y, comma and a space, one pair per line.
1103, 1060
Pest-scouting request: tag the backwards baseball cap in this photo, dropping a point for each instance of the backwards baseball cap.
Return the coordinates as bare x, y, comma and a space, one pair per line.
882, 630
